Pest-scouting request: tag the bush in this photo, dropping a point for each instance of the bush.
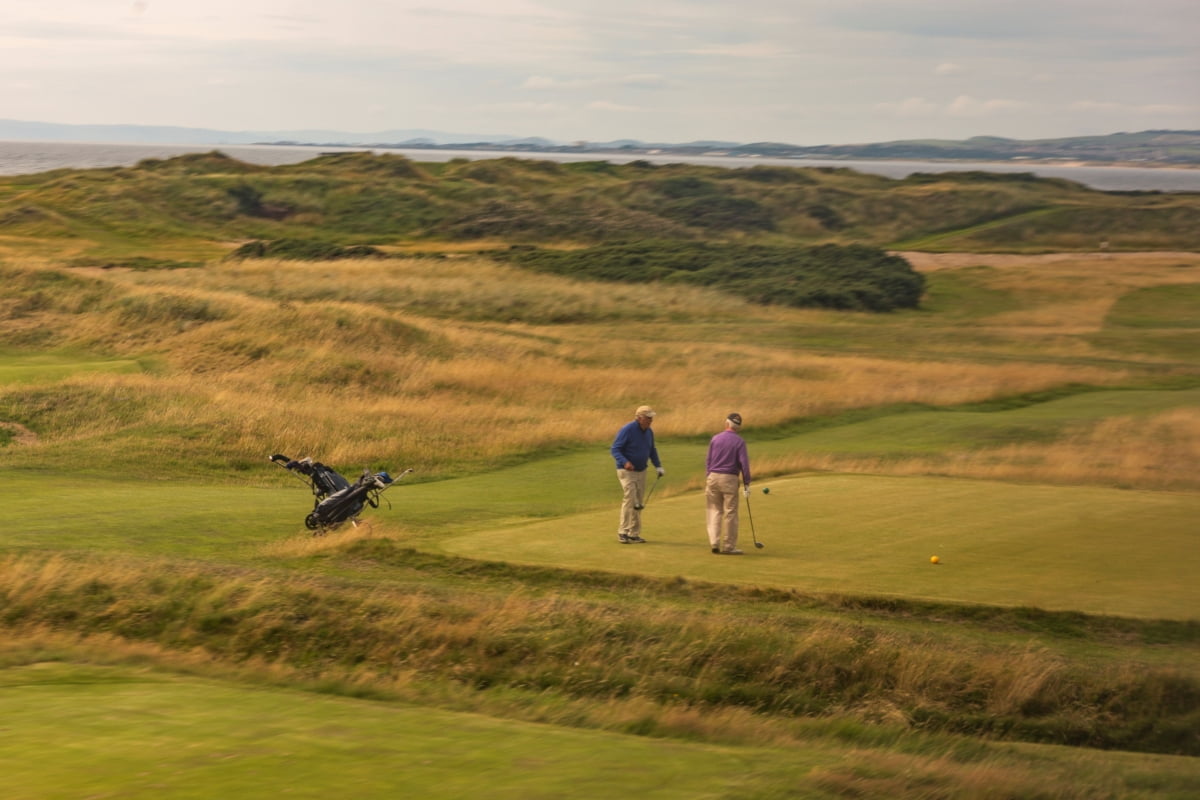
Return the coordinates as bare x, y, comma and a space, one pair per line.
852, 277
303, 250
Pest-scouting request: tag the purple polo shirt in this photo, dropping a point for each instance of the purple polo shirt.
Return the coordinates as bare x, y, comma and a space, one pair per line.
727, 455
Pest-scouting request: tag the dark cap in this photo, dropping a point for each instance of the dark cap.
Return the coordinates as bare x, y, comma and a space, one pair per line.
735, 418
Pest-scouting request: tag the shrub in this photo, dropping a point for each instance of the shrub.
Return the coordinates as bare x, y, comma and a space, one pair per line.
854, 277
303, 250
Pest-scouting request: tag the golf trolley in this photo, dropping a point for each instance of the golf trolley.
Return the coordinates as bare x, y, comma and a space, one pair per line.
336, 499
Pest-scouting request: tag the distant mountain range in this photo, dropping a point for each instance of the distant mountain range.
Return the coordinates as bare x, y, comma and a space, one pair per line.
1162, 147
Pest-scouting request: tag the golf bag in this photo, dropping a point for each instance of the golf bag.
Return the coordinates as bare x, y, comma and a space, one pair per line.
335, 499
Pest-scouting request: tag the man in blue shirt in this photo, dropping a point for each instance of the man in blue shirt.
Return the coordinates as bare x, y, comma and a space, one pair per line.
633, 450
727, 458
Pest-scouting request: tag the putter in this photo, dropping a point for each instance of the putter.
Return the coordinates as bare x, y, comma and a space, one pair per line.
753, 535
646, 499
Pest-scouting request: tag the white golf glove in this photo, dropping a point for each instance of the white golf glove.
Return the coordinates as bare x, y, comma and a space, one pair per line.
660, 471
746, 492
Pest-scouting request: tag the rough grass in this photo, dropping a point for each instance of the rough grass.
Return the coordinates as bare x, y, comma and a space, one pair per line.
587, 646
198, 201
249, 738
423, 365
427, 350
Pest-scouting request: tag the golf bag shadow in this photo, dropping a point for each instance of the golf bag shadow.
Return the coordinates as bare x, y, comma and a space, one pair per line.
335, 499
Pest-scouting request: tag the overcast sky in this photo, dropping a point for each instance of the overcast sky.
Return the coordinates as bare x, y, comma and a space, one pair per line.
798, 71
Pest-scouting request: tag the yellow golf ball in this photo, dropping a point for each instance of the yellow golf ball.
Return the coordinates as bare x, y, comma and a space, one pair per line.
934, 559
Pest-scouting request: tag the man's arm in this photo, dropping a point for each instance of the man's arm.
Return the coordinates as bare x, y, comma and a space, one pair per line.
618, 447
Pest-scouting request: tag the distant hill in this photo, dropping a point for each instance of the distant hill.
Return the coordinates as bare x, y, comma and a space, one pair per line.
384, 200
1160, 147
1163, 147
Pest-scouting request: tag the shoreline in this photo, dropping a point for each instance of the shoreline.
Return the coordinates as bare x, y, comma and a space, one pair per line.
26, 158
659, 153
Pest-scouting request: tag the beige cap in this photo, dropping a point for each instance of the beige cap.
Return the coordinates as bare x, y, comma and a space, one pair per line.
645, 411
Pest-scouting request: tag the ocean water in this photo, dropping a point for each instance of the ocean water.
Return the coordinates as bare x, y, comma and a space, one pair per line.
24, 158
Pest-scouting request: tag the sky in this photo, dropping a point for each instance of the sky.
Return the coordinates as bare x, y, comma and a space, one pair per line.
804, 72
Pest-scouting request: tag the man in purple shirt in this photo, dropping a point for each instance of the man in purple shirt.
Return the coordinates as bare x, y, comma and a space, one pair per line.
727, 459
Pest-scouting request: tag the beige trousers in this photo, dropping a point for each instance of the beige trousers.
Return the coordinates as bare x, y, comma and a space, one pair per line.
633, 490
721, 503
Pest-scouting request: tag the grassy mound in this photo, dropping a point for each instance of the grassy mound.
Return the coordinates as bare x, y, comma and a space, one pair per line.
361, 198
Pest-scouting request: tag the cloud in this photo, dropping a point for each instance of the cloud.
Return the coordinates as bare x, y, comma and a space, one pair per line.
647, 81
1124, 108
1110, 23
540, 82
676, 70
966, 106
524, 107
961, 106
910, 107
606, 105
744, 50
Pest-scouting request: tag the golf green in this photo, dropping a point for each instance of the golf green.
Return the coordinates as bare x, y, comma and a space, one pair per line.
1105, 551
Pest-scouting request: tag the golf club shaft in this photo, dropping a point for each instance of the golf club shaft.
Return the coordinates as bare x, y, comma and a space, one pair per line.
646, 499
750, 514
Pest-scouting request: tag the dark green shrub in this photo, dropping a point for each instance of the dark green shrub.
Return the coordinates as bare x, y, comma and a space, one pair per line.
854, 277
303, 250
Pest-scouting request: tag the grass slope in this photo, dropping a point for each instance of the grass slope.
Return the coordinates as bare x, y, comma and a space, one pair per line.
140, 734
1094, 549
195, 205
1021, 425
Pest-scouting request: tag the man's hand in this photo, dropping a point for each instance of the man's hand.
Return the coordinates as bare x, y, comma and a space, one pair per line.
660, 471
746, 492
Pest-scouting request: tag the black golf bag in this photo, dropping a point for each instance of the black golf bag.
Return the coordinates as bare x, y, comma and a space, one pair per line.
335, 499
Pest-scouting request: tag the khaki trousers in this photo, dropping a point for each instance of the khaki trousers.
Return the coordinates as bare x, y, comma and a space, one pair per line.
633, 489
721, 503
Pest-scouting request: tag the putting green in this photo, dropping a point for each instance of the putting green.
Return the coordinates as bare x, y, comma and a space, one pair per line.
1096, 550
1092, 549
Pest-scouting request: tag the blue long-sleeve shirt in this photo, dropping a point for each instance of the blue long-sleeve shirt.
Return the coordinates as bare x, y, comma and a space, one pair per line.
635, 446
727, 454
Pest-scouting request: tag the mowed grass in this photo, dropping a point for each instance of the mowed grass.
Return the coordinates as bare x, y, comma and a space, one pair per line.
169, 518
75, 731
24, 367
1095, 549
1101, 551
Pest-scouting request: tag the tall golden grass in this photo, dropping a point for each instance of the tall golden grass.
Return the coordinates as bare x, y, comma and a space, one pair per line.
1160, 451
679, 672
454, 362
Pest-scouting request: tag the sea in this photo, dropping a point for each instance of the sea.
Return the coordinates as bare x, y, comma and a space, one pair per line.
24, 158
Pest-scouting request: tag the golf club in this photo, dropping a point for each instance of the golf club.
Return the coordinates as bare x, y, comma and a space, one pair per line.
646, 499
753, 535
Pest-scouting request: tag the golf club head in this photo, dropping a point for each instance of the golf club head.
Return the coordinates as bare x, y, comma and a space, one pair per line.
759, 545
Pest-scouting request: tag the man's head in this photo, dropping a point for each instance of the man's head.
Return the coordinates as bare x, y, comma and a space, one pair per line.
644, 415
733, 421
